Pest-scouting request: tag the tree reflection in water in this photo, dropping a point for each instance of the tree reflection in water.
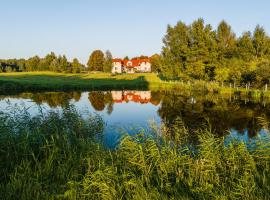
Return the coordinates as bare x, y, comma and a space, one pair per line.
194, 111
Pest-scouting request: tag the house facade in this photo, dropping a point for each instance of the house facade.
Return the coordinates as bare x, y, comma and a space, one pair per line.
131, 66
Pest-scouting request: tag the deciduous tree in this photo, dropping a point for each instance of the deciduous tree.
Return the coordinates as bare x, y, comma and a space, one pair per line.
96, 61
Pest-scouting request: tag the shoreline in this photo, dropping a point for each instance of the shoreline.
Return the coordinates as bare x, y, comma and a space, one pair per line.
50, 81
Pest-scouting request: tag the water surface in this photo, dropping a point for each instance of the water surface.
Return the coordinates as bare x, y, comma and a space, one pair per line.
127, 111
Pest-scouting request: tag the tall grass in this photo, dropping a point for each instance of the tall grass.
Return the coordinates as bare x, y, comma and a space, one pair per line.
58, 156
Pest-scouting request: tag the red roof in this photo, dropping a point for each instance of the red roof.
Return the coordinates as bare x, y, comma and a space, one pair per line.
134, 62
117, 60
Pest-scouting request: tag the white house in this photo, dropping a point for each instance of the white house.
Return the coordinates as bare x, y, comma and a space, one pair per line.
131, 66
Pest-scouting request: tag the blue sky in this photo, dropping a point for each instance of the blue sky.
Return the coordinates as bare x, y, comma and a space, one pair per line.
125, 27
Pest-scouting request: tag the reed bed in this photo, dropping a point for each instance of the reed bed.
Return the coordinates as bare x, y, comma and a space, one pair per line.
61, 156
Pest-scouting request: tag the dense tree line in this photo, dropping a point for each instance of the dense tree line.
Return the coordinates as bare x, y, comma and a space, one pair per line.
196, 51
50, 62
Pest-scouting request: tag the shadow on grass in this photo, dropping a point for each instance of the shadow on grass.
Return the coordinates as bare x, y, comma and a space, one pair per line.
38, 82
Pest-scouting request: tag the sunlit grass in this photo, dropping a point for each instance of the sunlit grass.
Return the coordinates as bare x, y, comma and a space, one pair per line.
51, 81
66, 161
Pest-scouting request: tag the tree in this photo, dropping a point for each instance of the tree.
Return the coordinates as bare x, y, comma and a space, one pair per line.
108, 61
236, 70
260, 41
54, 66
175, 50
202, 48
76, 66
245, 49
222, 74
155, 61
196, 70
64, 65
226, 40
96, 61
263, 73
32, 64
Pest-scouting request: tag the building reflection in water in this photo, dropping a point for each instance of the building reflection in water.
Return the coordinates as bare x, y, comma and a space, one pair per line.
134, 96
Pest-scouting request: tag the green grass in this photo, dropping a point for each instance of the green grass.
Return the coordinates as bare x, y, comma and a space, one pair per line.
59, 81
51, 81
65, 161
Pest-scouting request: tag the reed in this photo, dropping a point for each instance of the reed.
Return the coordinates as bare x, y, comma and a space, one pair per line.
66, 160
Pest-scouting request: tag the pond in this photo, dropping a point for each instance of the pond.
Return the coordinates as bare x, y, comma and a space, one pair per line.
127, 111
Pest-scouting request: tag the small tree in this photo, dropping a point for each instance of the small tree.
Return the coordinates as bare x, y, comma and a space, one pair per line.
64, 65
155, 63
76, 66
108, 62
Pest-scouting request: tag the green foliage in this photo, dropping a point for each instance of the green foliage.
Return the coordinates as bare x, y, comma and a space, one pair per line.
245, 48
32, 64
108, 62
155, 63
76, 67
226, 41
96, 61
196, 51
263, 73
65, 161
49, 63
261, 41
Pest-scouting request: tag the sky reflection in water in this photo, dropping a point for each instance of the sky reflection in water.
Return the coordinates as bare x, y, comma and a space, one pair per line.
130, 111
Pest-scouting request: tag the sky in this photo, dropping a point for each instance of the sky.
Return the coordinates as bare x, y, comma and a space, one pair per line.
125, 27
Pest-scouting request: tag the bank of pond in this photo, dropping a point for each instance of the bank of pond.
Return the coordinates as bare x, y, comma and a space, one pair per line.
134, 144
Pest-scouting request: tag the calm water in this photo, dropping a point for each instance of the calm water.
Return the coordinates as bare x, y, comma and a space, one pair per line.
128, 111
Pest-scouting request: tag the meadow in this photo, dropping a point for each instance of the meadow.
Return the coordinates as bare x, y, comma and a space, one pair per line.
50, 81
67, 160
61, 81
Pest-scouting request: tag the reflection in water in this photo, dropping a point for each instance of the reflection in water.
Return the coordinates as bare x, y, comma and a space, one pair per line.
194, 111
135, 96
